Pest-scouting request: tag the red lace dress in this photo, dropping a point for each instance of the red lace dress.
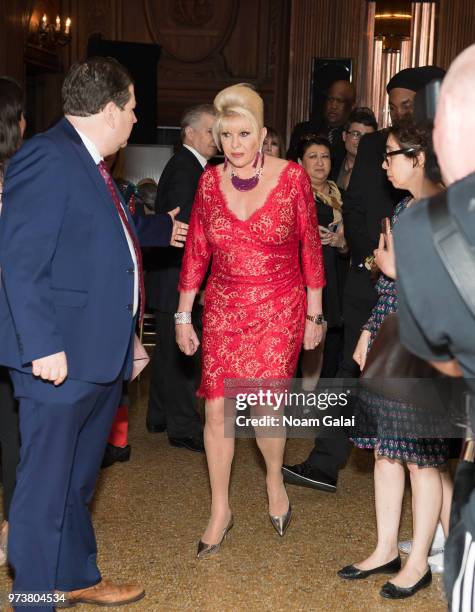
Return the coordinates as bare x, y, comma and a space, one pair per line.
255, 299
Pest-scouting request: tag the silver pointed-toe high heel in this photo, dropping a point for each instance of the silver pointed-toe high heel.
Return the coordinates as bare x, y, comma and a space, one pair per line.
280, 523
206, 550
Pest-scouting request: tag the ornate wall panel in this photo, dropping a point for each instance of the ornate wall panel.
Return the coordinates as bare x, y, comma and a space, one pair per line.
91, 17
455, 29
208, 44
190, 31
226, 41
14, 19
98, 17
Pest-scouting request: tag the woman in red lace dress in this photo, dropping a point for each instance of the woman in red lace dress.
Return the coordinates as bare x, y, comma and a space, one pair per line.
255, 216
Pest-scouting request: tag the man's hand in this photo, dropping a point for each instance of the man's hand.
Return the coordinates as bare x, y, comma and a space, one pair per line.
180, 230
53, 368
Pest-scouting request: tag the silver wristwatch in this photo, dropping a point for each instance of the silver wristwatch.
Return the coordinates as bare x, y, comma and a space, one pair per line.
317, 319
182, 318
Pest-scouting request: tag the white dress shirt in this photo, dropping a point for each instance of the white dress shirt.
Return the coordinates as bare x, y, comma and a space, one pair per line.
97, 157
203, 161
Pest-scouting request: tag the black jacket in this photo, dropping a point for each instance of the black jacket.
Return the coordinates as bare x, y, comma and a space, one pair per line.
177, 187
369, 198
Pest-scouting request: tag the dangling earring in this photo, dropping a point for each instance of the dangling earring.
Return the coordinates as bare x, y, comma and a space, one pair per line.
225, 167
256, 159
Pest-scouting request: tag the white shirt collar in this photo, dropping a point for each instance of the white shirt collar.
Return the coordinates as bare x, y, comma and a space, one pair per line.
203, 161
90, 146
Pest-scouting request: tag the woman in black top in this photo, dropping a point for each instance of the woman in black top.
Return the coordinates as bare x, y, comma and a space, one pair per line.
315, 157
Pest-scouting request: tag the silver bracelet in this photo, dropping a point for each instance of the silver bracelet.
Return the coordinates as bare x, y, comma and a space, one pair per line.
182, 318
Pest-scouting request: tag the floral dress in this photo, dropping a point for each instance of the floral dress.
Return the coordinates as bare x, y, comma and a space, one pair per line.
425, 452
255, 299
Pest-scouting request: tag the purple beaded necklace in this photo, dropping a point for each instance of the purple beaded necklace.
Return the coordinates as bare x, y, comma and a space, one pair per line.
243, 184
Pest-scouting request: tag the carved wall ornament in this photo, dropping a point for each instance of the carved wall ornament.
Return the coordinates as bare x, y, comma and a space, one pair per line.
193, 13
191, 30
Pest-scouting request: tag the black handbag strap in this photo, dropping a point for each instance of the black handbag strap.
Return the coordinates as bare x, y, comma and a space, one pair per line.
456, 253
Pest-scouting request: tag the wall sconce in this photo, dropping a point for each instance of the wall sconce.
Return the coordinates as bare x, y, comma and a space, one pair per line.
392, 23
46, 34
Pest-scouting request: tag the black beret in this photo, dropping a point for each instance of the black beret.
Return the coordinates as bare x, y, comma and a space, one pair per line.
415, 78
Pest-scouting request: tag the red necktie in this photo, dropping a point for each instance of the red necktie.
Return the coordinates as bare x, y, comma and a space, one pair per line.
138, 254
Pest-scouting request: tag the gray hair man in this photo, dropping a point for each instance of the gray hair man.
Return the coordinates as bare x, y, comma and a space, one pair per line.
172, 400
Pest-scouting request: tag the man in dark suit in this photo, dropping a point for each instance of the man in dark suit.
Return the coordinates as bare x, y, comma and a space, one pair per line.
370, 197
172, 401
70, 292
339, 103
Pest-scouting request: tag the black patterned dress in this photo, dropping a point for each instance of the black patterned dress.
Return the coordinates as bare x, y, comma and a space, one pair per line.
425, 452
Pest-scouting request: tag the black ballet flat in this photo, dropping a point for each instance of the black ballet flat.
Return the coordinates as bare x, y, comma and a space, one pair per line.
391, 591
350, 572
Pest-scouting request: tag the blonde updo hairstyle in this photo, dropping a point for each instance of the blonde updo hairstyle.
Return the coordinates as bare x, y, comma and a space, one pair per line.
238, 100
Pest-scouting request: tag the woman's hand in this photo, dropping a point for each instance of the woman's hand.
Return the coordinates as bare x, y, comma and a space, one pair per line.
361, 349
325, 234
334, 239
186, 338
339, 240
384, 255
312, 336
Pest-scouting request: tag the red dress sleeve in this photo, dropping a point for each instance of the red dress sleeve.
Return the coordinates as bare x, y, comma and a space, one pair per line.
310, 244
197, 248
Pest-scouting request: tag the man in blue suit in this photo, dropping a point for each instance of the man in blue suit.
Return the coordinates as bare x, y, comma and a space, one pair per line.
69, 298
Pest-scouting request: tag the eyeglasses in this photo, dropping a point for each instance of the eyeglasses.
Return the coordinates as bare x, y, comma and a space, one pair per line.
407, 151
354, 134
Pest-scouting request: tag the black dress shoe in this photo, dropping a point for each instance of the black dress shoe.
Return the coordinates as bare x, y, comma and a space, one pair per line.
350, 572
193, 444
305, 476
152, 428
391, 591
114, 454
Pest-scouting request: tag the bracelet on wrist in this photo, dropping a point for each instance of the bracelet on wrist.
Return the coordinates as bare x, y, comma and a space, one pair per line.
182, 318
318, 319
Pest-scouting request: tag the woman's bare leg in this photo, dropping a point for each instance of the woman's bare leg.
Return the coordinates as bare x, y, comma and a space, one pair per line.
389, 491
447, 492
272, 450
427, 503
271, 442
219, 455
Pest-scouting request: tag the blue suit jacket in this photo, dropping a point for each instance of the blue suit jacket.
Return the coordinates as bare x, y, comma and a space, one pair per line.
66, 270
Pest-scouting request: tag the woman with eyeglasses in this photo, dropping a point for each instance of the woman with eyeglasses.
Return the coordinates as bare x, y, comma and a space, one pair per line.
12, 127
408, 162
361, 121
